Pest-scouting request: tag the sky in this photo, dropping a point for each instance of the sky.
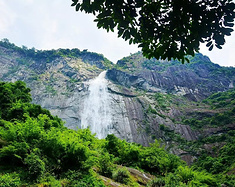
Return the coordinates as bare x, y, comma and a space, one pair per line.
53, 24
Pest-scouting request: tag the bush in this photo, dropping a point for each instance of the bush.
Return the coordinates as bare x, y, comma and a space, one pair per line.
155, 159
9, 180
77, 179
121, 175
172, 180
106, 167
36, 167
157, 182
195, 178
50, 181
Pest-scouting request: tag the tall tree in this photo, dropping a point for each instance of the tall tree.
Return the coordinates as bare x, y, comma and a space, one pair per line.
165, 28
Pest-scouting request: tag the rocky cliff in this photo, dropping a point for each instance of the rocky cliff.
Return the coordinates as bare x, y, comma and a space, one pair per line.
170, 96
196, 80
148, 99
59, 82
56, 77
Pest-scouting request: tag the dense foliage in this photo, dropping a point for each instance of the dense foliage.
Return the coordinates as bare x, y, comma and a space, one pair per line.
50, 55
165, 28
222, 99
225, 103
35, 148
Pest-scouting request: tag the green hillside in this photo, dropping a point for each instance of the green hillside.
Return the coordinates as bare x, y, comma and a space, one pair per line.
37, 150
188, 110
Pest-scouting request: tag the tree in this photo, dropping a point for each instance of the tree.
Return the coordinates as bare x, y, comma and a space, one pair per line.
11, 93
165, 28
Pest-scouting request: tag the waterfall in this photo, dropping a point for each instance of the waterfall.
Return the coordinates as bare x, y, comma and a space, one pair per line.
96, 111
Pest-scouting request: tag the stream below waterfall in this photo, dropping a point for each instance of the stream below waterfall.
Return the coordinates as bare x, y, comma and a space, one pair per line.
96, 111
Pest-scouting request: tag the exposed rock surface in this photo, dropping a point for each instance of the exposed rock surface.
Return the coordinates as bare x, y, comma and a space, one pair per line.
141, 178
148, 100
60, 86
196, 80
132, 114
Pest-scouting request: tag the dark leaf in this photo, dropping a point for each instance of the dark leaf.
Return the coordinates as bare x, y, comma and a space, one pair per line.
227, 31
78, 7
209, 44
183, 60
211, 47
228, 24
74, 2
120, 32
220, 40
218, 46
187, 60
126, 35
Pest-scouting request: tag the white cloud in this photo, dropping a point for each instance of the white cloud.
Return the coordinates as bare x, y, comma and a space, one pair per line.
7, 17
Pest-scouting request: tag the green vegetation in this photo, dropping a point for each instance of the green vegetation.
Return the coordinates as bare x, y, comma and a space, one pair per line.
222, 162
136, 62
151, 110
50, 89
214, 152
221, 99
224, 102
48, 56
36, 149
213, 119
122, 175
162, 100
218, 120
170, 135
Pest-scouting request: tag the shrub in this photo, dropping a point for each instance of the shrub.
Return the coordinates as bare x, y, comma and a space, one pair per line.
9, 180
50, 181
36, 167
77, 179
106, 166
121, 175
157, 182
185, 174
195, 178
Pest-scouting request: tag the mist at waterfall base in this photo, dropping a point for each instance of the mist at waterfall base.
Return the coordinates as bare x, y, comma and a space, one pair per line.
96, 112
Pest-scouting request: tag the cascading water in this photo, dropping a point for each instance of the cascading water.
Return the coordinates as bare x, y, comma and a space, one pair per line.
96, 112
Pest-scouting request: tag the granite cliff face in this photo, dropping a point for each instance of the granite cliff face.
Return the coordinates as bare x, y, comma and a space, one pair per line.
59, 82
196, 80
56, 77
148, 99
170, 96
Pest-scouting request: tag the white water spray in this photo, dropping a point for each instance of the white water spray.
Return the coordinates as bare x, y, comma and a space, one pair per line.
96, 112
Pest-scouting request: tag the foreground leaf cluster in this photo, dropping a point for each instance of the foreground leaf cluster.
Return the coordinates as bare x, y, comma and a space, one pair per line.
165, 28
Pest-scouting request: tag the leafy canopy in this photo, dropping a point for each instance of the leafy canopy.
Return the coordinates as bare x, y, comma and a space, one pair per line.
165, 28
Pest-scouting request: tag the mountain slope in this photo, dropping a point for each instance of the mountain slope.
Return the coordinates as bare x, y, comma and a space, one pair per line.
172, 93
196, 80
37, 150
149, 99
55, 76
